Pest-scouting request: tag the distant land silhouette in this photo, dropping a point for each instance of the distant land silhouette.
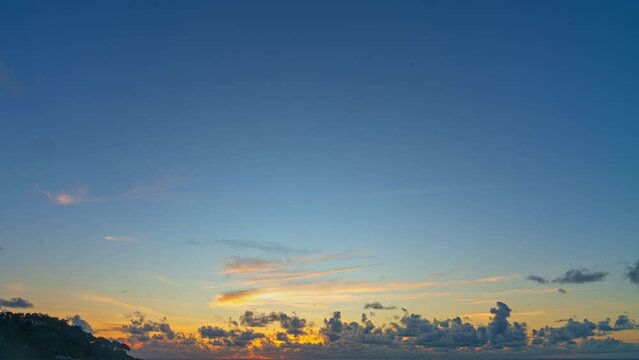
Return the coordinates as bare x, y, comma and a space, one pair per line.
34, 336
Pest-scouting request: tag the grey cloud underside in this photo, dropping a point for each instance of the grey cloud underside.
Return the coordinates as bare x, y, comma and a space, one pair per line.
235, 337
632, 273
142, 329
292, 324
408, 336
581, 276
16, 302
573, 276
573, 330
413, 330
378, 306
537, 279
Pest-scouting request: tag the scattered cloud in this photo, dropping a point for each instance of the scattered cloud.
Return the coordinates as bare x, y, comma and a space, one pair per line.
378, 306
632, 273
140, 329
16, 302
580, 276
623, 322
278, 335
292, 324
573, 276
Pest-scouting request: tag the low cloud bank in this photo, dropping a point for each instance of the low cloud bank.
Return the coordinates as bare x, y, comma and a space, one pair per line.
411, 335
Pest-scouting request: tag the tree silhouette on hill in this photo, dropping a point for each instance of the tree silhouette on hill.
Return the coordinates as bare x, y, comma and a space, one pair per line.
32, 336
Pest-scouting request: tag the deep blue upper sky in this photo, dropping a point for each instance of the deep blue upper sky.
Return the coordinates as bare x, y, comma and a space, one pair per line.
499, 137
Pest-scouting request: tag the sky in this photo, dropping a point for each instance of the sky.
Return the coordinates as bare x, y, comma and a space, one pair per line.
179, 164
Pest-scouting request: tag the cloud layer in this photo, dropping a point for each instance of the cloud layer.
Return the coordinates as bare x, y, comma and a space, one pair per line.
411, 335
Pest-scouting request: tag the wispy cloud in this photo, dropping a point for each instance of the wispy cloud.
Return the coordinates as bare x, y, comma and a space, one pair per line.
263, 246
162, 279
116, 302
305, 294
65, 197
241, 265
288, 276
325, 292
7, 79
120, 238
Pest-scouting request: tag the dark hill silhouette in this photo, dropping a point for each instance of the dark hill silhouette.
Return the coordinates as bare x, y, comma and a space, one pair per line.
42, 337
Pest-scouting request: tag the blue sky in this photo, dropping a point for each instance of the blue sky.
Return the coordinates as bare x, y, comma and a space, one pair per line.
414, 138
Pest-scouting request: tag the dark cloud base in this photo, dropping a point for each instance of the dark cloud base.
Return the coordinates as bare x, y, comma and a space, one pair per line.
16, 303
410, 336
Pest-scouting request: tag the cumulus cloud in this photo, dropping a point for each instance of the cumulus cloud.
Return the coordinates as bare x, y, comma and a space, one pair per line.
76, 320
632, 273
623, 322
408, 336
235, 337
378, 306
293, 324
501, 333
212, 332
414, 330
580, 276
565, 334
537, 279
141, 329
16, 302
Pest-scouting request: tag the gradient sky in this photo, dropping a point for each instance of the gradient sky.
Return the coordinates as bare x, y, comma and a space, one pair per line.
161, 156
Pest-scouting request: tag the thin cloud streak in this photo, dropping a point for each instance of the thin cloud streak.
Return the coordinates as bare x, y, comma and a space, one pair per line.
116, 302
310, 293
65, 197
120, 238
282, 277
